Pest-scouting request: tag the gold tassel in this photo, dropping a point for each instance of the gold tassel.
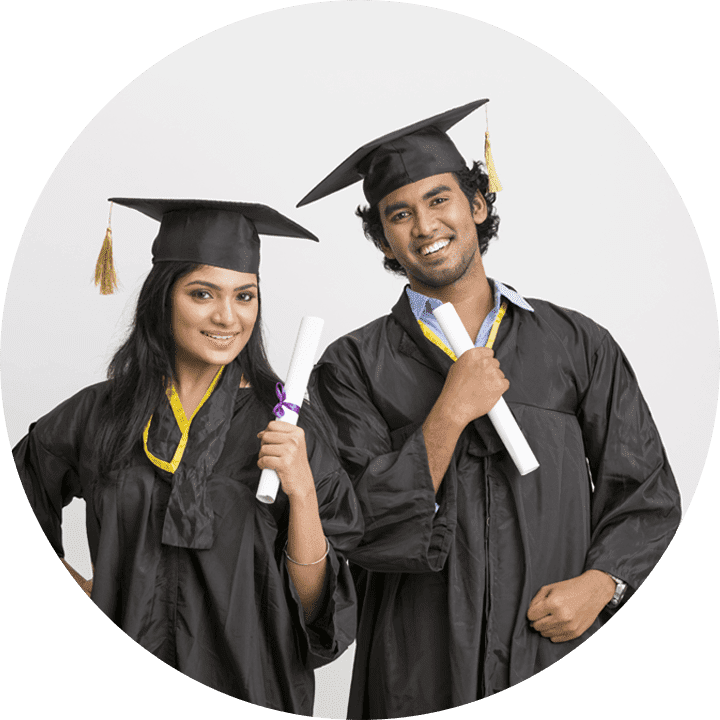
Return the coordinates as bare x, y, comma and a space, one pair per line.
494, 184
105, 275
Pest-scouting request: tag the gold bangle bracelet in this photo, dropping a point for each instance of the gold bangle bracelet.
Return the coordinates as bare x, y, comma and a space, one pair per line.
327, 550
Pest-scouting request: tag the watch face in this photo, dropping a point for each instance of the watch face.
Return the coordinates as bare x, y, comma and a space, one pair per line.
620, 588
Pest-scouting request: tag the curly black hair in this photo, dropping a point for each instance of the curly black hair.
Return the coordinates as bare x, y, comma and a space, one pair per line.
470, 180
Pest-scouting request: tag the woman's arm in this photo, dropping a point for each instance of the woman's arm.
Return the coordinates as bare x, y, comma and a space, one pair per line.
86, 585
284, 450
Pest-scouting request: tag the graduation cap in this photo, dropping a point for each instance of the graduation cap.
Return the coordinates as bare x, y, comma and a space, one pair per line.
402, 157
208, 232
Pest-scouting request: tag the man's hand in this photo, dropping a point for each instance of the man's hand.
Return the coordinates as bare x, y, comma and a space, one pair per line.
473, 385
565, 610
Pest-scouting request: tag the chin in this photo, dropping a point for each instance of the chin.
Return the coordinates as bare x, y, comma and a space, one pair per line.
220, 357
440, 279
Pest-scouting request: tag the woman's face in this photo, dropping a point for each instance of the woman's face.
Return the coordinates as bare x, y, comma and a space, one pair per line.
213, 315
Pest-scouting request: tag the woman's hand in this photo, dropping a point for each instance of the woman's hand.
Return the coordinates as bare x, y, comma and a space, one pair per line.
283, 450
86, 585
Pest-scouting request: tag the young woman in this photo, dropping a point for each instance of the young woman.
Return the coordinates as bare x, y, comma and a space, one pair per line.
245, 597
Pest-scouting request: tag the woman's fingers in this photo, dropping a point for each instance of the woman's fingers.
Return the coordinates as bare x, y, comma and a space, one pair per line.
275, 438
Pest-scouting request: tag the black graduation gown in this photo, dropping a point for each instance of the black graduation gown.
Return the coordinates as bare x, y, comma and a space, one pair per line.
227, 615
443, 596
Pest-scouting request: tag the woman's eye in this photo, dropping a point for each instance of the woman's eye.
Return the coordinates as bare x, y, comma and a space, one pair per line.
200, 294
246, 297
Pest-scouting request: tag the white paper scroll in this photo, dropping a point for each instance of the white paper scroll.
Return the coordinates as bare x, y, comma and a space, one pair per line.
301, 365
500, 416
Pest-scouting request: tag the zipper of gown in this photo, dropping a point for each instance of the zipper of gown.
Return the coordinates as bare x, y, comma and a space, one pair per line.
488, 599
175, 590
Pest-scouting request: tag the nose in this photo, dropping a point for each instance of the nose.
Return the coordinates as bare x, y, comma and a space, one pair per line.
223, 312
425, 222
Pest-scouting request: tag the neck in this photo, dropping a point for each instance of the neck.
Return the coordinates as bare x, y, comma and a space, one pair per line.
471, 296
191, 383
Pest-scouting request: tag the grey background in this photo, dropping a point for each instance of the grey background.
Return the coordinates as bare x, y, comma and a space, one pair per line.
590, 219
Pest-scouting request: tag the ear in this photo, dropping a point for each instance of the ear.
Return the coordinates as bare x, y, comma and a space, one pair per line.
479, 208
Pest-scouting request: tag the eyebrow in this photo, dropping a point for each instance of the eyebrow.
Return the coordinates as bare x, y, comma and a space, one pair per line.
217, 287
390, 209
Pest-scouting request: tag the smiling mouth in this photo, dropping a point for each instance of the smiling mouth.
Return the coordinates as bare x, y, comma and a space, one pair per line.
220, 338
434, 247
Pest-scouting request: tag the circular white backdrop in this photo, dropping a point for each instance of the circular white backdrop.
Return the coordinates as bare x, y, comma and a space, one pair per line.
262, 109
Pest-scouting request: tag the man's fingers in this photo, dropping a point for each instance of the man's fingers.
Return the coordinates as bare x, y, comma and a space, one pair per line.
536, 612
563, 637
541, 594
548, 624
538, 607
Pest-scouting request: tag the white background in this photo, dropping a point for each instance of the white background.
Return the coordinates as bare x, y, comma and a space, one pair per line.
581, 189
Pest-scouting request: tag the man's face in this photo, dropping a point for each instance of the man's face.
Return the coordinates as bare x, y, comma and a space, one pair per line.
430, 229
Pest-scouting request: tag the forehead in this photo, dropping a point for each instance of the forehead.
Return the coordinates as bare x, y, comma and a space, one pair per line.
222, 277
420, 190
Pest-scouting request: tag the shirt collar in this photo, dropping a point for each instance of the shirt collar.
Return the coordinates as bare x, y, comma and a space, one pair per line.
418, 301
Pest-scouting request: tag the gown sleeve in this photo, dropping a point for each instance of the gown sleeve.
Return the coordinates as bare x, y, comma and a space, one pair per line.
47, 462
333, 628
636, 503
405, 531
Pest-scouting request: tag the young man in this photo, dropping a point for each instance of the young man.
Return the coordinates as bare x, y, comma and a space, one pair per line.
472, 577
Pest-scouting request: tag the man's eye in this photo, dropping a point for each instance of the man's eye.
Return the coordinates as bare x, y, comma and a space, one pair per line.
438, 200
400, 216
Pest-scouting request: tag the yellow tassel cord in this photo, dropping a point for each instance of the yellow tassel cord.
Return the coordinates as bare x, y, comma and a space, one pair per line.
494, 185
105, 275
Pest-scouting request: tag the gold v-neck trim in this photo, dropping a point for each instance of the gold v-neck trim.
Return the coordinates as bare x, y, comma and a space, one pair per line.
435, 340
182, 422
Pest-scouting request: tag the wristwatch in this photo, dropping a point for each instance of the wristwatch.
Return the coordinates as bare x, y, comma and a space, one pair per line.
620, 588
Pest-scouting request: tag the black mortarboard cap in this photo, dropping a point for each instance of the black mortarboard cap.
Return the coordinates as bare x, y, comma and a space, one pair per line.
213, 232
402, 157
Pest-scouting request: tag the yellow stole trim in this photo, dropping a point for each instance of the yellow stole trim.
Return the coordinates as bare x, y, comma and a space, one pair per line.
435, 340
496, 324
183, 424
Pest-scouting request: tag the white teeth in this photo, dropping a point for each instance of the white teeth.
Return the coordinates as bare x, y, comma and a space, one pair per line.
219, 337
434, 247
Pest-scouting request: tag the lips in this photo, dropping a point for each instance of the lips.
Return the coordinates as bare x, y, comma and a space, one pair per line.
223, 338
433, 247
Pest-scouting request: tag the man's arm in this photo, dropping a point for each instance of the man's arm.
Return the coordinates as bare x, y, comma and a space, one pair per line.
397, 472
565, 610
473, 386
635, 504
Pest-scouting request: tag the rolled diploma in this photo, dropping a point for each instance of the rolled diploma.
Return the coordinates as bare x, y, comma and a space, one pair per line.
301, 365
500, 416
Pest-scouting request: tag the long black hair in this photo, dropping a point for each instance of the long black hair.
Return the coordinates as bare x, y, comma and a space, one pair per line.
143, 365
471, 181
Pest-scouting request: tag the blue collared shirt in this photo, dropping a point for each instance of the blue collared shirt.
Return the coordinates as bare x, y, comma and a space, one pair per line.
418, 305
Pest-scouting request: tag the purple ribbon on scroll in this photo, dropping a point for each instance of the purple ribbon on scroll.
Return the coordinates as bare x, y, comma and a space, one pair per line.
278, 409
